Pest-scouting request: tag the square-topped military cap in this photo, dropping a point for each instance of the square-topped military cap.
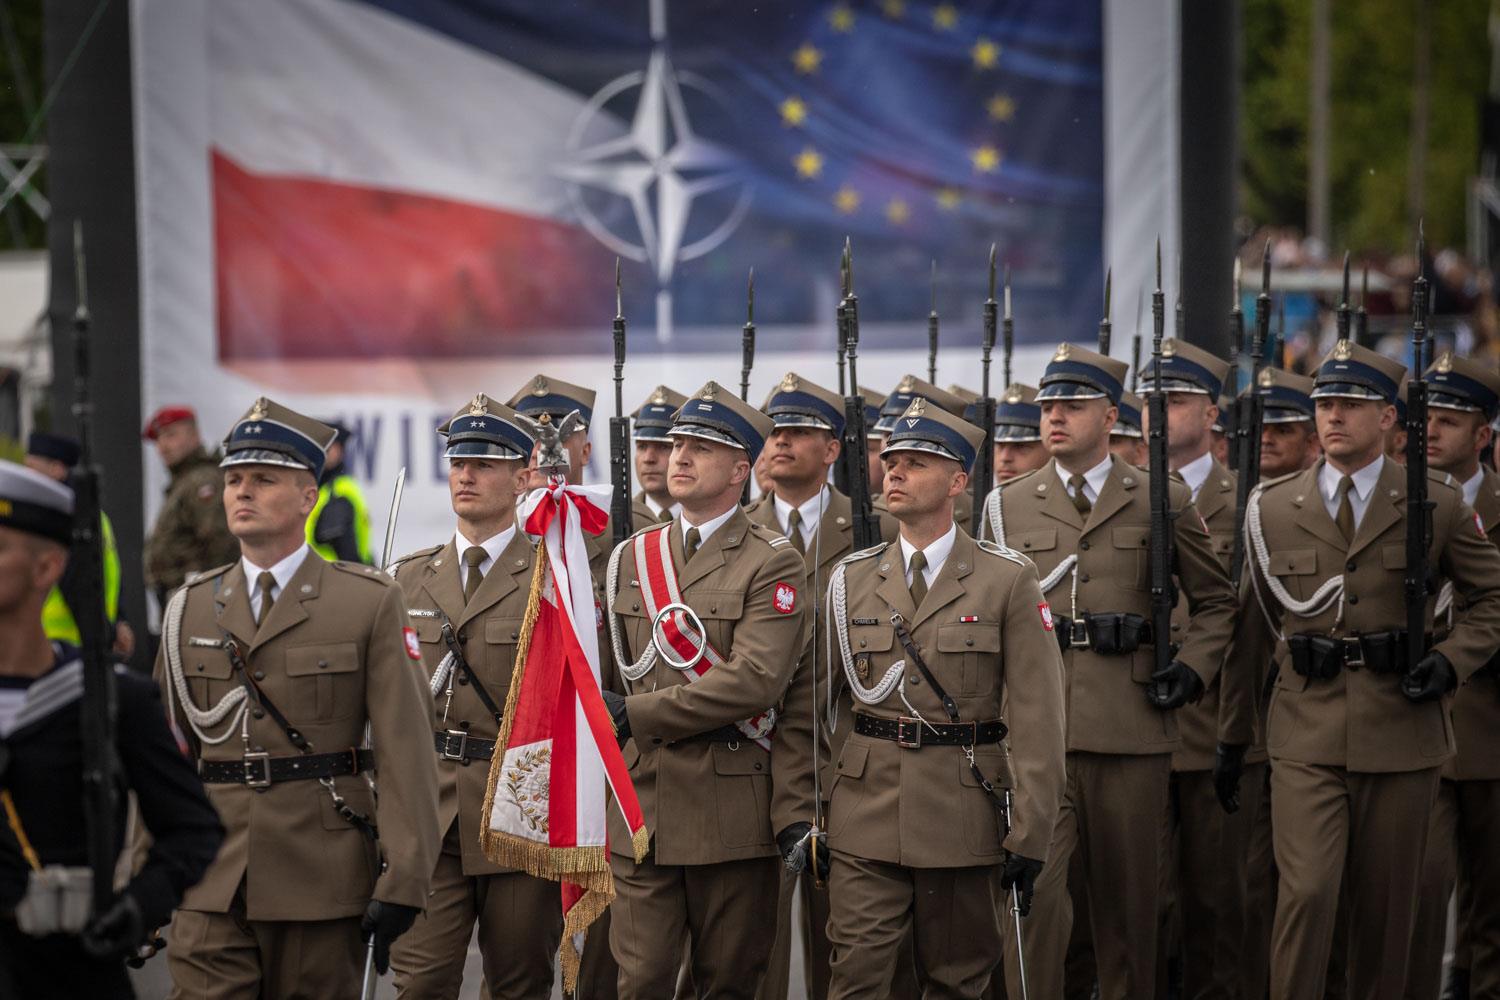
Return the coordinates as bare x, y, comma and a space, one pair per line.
796, 402
486, 429
1018, 417
653, 418
1078, 373
873, 400
1455, 383
553, 396
1128, 423
909, 388
1354, 372
35, 503
1185, 368
1287, 397
926, 427
716, 414
271, 434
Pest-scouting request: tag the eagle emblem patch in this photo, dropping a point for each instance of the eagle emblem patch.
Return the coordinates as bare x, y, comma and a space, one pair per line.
785, 598
1045, 610
413, 644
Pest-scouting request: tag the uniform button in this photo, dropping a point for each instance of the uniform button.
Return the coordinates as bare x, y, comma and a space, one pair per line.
861, 646
968, 642
713, 609
463, 725
635, 607
259, 713
914, 681
1353, 598
656, 740
463, 636
200, 668
1349, 566
463, 680
758, 765
1084, 545
260, 675
1083, 577
322, 664
1176, 626
515, 635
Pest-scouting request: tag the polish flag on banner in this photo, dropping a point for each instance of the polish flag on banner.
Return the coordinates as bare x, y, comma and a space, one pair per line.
546, 803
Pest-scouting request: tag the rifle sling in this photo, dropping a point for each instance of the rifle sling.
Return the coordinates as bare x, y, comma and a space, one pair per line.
259, 697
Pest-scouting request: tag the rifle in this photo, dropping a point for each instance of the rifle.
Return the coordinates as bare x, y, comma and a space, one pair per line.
85, 598
845, 469
1247, 425
1135, 346
1236, 338
932, 330
1361, 316
866, 530
1418, 507
1163, 593
1104, 325
619, 433
841, 323
1343, 312
1007, 331
747, 360
984, 462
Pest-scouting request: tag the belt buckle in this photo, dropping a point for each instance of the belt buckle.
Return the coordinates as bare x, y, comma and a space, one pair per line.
253, 762
463, 745
1354, 652
1078, 634
906, 724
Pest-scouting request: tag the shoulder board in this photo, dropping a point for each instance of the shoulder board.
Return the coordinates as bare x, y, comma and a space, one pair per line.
1002, 552
1279, 480
755, 504
1442, 477
198, 576
419, 554
770, 536
1017, 479
361, 570
872, 551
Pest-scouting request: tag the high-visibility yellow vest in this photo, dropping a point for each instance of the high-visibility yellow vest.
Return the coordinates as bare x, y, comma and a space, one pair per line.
346, 487
57, 617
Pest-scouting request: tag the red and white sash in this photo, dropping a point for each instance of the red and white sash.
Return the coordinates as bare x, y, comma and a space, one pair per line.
659, 589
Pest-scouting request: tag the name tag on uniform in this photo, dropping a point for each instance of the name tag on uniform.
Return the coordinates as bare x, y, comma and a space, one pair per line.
424, 612
864, 621
198, 640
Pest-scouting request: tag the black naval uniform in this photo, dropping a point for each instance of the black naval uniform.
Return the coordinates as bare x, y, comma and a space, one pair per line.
41, 766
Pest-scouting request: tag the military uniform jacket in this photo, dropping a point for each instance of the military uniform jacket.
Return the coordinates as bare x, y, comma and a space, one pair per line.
1107, 707
707, 802
1359, 720
640, 514
1199, 722
1476, 704
487, 630
190, 530
332, 655
984, 633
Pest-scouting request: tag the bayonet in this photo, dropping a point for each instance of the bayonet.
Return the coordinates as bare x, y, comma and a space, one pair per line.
984, 462
866, 529
932, 330
1343, 312
747, 339
1135, 345
1361, 315
1418, 507
1007, 330
619, 431
1104, 327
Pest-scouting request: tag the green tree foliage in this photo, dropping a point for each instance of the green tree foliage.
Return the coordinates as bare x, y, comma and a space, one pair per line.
21, 91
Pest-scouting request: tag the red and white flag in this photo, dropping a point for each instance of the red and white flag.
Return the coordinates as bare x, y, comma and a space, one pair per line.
546, 802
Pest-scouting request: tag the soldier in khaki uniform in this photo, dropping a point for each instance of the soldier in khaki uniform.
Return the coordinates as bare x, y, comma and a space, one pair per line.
934, 633
1084, 519
653, 502
1357, 735
874, 439
909, 388
1018, 433
1463, 397
273, 667
467, 598
716, 798
1126, 441
190, 533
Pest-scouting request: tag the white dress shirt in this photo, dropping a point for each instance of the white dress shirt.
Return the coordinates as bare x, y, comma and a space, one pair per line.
493, 546
706, 529
936, 553
1471, 486
656, 508
282, 572
1359, 497
811, 512
1195, 473
1093, 480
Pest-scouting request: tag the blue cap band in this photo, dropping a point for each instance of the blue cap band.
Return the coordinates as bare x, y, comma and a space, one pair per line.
717, 417
1469, 390
1180, 369
556, 404
1080, 373
1356, 373
804, 404
270, 435
487, 430
912, 430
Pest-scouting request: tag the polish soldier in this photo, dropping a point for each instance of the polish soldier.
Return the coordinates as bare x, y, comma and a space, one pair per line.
467, 598
935, 632
190, 533
1463, 397
1125, 438
653, 503
1209, 845
1357, 734
707, 621
1223, 429
1018, 433
909, 388
273, 667
1288, 436
874, 439
1084, 520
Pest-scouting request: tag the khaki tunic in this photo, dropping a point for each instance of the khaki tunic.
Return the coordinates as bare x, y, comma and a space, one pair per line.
332, 656
190, 532
1476, 704
1199, 722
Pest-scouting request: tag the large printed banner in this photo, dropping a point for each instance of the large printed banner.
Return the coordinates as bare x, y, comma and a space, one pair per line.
374, 209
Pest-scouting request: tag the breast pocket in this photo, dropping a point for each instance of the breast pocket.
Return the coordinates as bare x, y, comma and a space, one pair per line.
720, 611
326, 676
429, 630
742, 785
210, 674
1131, 546
979, 645
871, 647
1223, 545
500, 638
1297, 569
633, 623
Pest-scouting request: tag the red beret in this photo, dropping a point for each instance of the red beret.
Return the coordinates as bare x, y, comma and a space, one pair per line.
165, 417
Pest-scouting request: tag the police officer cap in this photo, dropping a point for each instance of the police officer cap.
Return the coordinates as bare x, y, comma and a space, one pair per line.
35, 504
796, 402
1077, 373
486, 429
909, 388
1128, 423
716, 414
927, 428
1287, 397
653, 418
1455, 383
873, 401
1354, 372
1186, 368
271, 434
544, 394
1018, 418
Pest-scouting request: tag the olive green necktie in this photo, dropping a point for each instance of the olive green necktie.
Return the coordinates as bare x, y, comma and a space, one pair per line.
794, 531
915, 565
1080, 498
264, 583
473, 556
689, 544
1345, 519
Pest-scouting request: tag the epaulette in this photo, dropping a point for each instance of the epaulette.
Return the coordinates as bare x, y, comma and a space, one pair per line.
198, 576
770, 536
1277, 481
1002, 551
756, 504
1018, 478
363, 571
418, 554
1442, 477
872, 551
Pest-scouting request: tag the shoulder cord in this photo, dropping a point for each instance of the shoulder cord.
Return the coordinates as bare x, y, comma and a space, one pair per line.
1332, 589
838, 610
996, 515
631, 671
231, 707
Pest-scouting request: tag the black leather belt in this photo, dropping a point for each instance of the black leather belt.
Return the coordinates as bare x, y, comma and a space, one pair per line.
261, 770
912, 734
456, 744
1108, 633
1320, 657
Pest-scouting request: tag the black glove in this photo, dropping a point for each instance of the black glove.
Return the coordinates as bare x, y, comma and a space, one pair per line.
116, 932
1430, 679
1020, 874
387, 922
794, 845
616, 704
1229, 765
1175, 686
